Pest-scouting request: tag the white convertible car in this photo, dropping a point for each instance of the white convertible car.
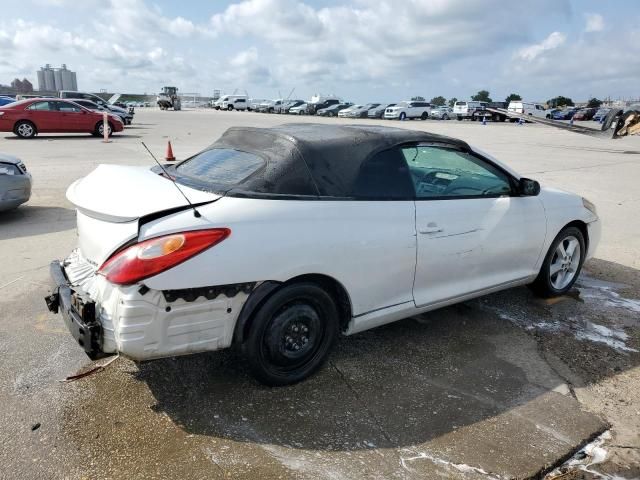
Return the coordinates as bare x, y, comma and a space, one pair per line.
295, 234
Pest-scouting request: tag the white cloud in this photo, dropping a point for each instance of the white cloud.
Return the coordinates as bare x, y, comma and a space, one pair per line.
372, 40
554, 40
245, 58
595, 22
364, 50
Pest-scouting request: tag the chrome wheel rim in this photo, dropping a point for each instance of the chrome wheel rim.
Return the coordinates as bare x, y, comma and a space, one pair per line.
25, 130
565, 262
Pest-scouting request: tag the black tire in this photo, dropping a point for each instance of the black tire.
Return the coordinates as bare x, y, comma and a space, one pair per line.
278, 348
459, 118
229, 107
25, 129
424, 116
544, 285
402, 116
445, 117
98, 131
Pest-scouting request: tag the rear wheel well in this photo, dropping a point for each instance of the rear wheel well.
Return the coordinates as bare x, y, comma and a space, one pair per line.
23, 120
334, 288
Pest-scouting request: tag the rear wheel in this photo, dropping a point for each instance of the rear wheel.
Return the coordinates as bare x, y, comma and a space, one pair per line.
562, 264
25, 129
459, 118
292, 334
424, 116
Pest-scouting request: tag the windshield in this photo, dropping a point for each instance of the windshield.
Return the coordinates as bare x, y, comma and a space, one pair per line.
220, 166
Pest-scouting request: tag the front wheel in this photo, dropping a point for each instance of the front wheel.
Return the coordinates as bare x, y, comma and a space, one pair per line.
403, 116
99, 130
562, 264
292, 334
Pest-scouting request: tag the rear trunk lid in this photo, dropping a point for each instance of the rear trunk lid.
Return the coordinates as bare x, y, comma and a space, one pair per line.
112, 199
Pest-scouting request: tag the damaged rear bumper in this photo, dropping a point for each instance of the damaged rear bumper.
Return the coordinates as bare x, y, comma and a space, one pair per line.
138, 322
78, 312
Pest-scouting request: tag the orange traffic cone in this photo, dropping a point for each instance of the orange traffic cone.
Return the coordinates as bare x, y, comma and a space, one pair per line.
169, 156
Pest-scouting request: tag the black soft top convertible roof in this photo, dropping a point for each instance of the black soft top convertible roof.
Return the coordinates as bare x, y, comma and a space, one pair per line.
316, 160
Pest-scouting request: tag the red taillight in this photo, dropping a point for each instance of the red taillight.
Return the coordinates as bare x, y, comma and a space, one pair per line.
156, 255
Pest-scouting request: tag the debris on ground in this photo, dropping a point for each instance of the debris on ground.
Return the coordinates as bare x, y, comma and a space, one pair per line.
591, 454
91, 371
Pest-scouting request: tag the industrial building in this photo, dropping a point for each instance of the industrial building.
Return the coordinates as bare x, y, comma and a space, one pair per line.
56, 79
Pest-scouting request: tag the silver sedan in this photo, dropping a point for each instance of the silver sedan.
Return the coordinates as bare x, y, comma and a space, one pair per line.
15, 182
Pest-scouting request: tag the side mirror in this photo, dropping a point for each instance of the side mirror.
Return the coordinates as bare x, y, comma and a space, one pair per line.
528, 187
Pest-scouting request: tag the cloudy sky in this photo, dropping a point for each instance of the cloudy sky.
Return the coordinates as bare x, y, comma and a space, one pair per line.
363, 50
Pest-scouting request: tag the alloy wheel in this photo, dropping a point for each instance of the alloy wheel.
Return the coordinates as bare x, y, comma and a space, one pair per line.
25, 130
565, 262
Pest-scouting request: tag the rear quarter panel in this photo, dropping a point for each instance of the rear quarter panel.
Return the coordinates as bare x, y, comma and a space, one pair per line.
369, 247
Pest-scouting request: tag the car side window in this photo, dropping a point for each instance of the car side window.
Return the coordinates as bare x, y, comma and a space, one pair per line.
40, 106
442, 172
384, 176
66, 107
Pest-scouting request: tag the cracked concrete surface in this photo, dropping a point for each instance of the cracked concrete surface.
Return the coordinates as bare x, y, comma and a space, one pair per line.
506, 386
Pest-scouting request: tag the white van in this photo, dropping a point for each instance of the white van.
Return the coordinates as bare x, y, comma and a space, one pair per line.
462, 109
527, 108
232, 102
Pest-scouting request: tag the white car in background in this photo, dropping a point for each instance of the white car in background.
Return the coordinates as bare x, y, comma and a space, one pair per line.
254, 103
466, 109
346, 113
278, 240
299, 110
411, 109
442, 113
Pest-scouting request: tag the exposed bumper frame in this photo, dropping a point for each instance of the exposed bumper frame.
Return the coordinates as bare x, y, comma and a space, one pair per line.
79, 313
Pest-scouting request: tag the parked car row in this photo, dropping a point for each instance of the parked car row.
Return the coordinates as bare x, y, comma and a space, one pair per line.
473, 110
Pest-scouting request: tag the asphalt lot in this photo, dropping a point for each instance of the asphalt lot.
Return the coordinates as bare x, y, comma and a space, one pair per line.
500, 387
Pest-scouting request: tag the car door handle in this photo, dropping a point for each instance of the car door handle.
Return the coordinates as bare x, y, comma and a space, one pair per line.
431, 228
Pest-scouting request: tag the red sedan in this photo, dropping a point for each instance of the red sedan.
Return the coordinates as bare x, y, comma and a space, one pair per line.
29, 117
